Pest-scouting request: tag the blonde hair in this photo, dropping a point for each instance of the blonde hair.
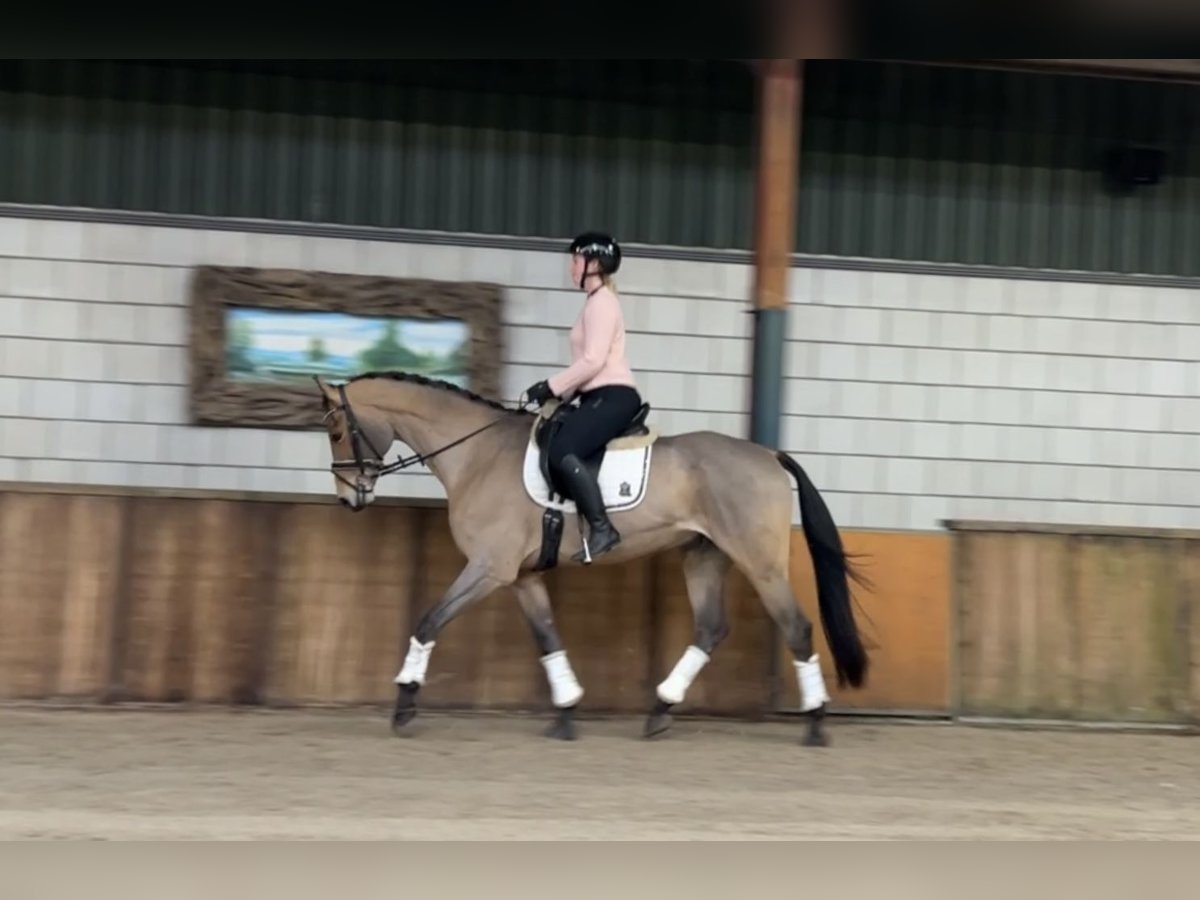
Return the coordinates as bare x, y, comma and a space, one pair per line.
605, 279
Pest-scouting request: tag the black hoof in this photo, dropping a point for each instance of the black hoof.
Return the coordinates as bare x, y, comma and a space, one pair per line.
406, 707
402, 717
659, 720
816, 736
563, 726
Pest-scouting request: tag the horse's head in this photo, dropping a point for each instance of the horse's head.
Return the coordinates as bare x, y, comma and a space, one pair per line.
359, 437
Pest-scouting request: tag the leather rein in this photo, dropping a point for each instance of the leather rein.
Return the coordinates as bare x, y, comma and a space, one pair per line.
363, 465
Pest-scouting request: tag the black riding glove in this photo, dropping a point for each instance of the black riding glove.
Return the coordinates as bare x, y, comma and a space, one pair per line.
540, 393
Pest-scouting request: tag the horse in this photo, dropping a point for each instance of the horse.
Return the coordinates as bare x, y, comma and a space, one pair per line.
722, 500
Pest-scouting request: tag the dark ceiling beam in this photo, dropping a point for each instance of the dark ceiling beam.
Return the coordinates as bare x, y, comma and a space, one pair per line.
1182, 70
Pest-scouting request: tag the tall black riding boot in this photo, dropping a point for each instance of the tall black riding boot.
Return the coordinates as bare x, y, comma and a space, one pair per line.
586, 494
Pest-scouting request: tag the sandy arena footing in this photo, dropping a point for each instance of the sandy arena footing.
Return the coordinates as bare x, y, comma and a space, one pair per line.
341, 775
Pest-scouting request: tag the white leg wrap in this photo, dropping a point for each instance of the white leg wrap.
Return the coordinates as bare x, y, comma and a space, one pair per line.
415, 663
812, 683
675, 685
565, 689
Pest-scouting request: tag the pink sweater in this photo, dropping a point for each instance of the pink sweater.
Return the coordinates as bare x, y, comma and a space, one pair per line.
597, 348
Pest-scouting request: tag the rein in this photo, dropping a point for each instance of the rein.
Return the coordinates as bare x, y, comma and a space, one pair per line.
364, 466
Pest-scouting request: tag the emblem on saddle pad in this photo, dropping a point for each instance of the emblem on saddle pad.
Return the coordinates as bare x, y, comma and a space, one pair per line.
625, 490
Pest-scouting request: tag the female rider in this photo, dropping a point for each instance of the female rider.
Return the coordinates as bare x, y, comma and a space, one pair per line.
600, 377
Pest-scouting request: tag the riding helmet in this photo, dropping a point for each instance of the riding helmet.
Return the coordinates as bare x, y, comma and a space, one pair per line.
600, 247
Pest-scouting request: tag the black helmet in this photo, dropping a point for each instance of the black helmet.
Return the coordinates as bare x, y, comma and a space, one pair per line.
600, 247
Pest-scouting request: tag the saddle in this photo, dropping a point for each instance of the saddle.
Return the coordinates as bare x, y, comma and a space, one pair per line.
621, 468
635, 435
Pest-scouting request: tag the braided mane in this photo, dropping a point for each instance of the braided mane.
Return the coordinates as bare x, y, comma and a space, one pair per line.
413, 378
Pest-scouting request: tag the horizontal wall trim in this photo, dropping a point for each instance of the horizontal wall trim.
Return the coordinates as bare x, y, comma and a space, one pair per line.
943, 525
104, 490
35, 416
504, 242
1114, 318
1010, 723
997, 527
790, 379
898, 716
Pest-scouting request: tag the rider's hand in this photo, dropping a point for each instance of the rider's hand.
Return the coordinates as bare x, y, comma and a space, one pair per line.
540, 393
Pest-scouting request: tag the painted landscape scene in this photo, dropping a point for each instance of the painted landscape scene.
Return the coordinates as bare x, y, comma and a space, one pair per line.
282, 346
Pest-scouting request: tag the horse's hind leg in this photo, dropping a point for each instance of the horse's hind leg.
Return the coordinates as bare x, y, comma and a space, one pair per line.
756, 533
776, 594
704, 569
565, 691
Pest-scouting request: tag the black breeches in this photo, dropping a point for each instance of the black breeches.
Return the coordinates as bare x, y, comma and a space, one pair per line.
602, 415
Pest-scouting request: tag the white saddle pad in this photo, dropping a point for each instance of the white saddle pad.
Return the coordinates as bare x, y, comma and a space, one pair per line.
624, 476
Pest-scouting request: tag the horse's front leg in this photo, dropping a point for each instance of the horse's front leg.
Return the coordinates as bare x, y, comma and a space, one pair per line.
565, 691
473, 583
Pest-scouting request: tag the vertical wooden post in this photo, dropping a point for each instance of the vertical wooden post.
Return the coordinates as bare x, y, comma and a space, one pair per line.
779, 99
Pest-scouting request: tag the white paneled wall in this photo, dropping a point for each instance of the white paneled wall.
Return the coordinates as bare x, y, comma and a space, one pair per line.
925, 397
910, 398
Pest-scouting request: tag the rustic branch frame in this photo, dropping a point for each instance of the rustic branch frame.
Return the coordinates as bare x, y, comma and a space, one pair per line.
215, 400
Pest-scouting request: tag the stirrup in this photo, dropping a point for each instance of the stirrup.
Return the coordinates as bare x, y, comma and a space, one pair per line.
585, 555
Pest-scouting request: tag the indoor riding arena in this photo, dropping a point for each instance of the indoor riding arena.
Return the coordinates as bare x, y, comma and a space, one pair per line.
972, 319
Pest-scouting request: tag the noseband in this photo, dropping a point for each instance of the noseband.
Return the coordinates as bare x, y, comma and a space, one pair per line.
362, 465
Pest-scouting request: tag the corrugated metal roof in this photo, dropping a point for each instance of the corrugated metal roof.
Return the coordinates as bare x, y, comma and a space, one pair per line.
994, 167
899, 161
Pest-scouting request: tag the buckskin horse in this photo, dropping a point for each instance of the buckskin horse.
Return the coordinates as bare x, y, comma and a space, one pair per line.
723, 500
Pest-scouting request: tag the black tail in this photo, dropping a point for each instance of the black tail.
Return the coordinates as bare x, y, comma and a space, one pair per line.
832, 568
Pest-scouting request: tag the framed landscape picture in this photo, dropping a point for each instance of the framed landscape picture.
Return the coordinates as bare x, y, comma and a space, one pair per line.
259, 335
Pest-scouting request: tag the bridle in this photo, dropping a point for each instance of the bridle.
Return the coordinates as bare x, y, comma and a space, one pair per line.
363, 465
